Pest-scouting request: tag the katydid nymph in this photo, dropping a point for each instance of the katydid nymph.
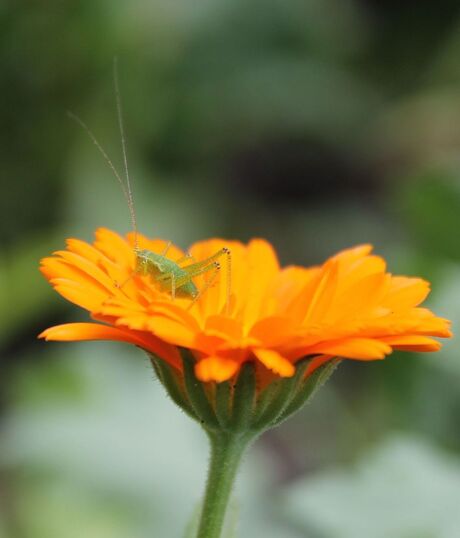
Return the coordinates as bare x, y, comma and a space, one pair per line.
170, 275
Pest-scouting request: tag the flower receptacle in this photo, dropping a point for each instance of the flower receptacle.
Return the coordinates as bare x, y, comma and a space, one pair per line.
238, 406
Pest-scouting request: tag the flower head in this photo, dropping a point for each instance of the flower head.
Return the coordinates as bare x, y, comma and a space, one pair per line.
349, 307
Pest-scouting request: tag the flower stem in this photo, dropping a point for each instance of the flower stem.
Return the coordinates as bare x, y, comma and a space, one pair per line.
226, 452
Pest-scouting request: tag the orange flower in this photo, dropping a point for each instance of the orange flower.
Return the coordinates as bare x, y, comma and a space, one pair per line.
349, 307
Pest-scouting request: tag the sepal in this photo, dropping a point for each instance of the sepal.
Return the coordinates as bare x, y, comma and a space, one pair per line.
237, 406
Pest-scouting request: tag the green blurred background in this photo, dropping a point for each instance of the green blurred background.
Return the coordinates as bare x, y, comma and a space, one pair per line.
318, 124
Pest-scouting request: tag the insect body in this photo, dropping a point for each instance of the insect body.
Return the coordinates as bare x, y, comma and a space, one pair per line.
176, 279
168, 274
165, 271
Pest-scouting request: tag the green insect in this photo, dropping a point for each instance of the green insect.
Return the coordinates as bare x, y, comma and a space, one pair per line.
178, 280
169, 275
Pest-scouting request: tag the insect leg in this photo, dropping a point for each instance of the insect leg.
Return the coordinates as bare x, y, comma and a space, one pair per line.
173, 286
167, 247
191, 270
229, 280
206, 262
119, 286
123, 284
187, 256
215, 267
185, 279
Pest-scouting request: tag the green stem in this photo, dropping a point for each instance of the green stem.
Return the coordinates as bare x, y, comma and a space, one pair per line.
226, 452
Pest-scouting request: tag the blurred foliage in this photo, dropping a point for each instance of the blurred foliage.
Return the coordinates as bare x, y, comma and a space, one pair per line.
410, 488
317, 124
431, 205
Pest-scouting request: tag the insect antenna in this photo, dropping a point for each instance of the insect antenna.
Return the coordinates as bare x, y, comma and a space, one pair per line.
127, 190
127, 194
125, 187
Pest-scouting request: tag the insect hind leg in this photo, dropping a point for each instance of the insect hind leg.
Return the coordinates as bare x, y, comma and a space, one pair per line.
206, 265
215, 268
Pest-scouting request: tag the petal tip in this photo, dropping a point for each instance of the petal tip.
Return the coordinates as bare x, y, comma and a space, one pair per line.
215, 369
43, 335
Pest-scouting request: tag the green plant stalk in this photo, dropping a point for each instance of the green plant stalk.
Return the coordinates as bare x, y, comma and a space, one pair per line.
233, 415
227, 449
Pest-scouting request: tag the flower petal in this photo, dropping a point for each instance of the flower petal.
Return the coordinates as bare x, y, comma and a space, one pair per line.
413, 343
352, 254
406, 292
115, 247
213, 300
171, 331
93, 331
275, 362
348, 307
89, 269
79, 294
216, 369
354, 348
264, 269
273, 331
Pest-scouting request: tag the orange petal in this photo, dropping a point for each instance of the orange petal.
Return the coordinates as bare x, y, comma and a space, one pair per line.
71, 332
264, 269
54, 268
134, 321
322, 297
79, 294
413, 343
174, 311
290, 282
316, 295
213, 300
316, 362
57, 267
353, 348
360, 297
220, 336
354, 253
210, 344
85, 250
273, 331
114, 247
274, 361
171, 331
216, 369
224, 327
89, 268
120, 310
413, 321
406, 292
361, 268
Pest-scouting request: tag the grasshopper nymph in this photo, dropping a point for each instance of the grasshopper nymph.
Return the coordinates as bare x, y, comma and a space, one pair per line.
171, 276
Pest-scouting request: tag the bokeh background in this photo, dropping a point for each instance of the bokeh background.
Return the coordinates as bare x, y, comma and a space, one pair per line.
318, 124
